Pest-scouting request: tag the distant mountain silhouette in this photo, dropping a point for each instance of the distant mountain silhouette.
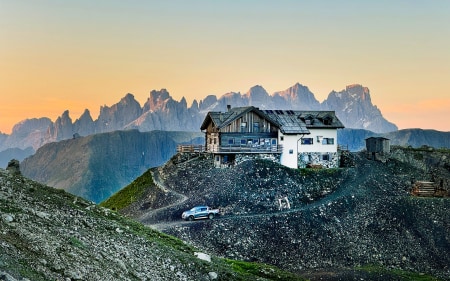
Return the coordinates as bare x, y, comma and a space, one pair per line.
161, 112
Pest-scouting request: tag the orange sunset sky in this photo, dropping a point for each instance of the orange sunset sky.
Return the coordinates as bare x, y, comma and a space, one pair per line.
72, 55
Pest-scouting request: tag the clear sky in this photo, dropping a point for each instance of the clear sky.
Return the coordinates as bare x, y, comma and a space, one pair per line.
71, 55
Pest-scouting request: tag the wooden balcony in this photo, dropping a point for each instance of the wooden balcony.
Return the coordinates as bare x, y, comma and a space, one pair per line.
224, 149
235, 149
191, 148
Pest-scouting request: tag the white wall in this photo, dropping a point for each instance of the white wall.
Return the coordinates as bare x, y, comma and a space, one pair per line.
293, 143
289, 143
317, 146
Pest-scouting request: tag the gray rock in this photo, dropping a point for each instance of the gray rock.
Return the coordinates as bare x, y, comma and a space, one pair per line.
6, 277
212, 275
13, 167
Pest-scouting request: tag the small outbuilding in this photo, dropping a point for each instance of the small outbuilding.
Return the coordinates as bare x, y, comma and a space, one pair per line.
377, 146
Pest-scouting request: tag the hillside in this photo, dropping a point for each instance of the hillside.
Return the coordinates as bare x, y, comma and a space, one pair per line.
96, 166
48, 234
344, 224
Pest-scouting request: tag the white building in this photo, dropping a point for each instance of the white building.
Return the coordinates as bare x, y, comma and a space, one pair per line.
299, 138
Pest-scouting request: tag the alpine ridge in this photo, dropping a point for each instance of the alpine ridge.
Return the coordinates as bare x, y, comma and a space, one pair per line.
161, 112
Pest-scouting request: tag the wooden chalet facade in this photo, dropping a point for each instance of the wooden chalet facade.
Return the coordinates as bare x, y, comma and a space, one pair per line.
249, 130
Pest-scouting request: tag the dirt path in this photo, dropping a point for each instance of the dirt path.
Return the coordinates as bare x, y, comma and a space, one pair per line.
344, 191
158, 182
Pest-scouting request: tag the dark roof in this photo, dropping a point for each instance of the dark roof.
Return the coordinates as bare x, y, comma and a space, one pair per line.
377, 138
222, 119
288, 121
320, 119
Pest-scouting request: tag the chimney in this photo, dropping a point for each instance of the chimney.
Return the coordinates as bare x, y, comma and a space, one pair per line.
228, 107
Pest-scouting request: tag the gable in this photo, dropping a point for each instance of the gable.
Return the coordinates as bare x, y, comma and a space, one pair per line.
288, 121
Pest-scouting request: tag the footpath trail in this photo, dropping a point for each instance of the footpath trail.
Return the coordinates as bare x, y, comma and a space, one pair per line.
149, 214
344, 191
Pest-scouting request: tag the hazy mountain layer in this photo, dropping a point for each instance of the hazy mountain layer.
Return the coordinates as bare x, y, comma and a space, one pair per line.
96, 166
354, 139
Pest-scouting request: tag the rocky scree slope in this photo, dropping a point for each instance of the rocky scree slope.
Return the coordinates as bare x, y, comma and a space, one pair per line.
48, 234
339, 219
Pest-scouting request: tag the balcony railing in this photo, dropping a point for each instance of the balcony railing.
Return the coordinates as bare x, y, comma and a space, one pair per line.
245, 149
230, 148
191, 148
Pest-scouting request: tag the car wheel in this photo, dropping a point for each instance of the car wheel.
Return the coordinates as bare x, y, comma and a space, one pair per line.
210, 216
191, 218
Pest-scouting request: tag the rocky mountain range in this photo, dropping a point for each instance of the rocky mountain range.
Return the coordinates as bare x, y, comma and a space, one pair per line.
353, 106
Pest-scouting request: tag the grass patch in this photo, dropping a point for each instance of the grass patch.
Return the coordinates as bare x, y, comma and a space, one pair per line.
129, 194
76, 243
253, 269
315, 171
397, 273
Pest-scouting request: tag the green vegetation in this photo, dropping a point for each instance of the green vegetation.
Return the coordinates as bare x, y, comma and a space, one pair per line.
153, 235
76, 243
397, 273
129, 194
315, 171
248, 270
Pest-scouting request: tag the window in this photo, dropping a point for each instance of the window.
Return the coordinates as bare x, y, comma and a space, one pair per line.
256, 127
325, 157
243, 127
291, 151
281, 138
307, 140
327, 120
243, 141
274, 141
328, 141
230, 141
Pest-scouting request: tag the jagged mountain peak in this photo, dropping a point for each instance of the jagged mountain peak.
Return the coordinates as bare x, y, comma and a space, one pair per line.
157, 100
356, 92
354, 108
297, 97
65, 115
258, 96
353, 93
128, 98
256, 90
32, 124
86, 114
